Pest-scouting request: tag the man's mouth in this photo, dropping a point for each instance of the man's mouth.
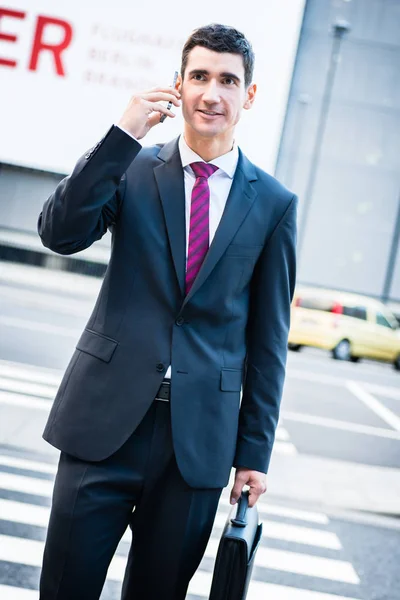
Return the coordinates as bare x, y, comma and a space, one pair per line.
210, 113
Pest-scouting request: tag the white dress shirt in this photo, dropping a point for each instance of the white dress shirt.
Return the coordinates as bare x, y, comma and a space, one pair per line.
219, 183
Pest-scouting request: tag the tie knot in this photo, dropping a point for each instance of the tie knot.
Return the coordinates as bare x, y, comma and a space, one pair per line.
202, 169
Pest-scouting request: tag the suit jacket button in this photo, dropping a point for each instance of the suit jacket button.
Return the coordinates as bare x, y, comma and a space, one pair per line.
180, 321
160, 367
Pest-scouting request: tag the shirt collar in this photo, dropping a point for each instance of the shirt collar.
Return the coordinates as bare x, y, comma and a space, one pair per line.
227, 162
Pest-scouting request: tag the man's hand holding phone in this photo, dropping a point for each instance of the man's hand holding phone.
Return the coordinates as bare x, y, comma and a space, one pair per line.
145, 110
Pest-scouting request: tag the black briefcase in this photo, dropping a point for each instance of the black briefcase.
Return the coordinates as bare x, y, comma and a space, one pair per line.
236, 551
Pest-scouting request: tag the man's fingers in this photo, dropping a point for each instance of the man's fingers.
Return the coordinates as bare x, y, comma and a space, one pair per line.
235, 493
253, 497
145, 110
153, 119
154, 107
167, 90
238, 486
162, 97
161, 109
255, 492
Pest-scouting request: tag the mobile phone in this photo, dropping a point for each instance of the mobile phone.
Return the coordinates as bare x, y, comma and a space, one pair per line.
163, 117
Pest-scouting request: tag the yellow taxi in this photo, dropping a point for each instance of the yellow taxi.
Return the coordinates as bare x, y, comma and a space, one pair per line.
349, 325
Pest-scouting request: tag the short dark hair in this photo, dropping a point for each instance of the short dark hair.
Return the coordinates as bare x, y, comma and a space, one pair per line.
221, 38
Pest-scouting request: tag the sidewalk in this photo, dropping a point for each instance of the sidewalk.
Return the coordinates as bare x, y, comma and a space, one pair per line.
336, 483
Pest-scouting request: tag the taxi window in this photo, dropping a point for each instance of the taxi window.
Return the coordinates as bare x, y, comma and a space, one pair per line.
315, 303
358, 312
381, 320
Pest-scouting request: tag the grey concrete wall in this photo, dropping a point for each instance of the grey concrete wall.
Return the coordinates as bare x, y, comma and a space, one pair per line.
22, 195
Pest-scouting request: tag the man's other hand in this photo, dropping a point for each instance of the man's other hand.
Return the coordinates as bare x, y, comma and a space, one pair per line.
254, 479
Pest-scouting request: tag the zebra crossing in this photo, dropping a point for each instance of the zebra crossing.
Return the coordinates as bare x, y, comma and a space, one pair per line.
300, 557
296, 543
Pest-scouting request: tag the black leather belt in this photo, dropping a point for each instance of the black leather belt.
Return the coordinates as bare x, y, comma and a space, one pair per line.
164, 390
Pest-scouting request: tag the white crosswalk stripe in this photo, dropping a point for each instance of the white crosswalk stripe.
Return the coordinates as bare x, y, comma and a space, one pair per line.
290, 513
23, 401
284, 448
294, 533
265, 591
282, 434
26, 387
27, 485
298, 546
11, 461
9, 592
282, 444
29, 373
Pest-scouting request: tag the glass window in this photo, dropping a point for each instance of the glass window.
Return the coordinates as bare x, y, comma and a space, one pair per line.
358, 312
381, 320
315, 303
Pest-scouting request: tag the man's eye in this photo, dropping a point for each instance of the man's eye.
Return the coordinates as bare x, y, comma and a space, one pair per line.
198, 76
229, 80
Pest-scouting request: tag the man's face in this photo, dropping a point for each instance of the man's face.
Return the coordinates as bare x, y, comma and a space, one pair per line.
213, 92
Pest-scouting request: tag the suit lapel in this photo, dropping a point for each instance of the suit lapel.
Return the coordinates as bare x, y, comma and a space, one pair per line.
238, 204
170, 182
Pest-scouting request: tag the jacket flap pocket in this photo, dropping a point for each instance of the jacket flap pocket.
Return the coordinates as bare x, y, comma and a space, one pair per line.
231, 380
97, 345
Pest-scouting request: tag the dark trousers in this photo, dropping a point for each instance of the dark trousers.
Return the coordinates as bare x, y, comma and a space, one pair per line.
140, 485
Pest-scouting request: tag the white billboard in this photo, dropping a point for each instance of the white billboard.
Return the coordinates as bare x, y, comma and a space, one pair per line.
68, 69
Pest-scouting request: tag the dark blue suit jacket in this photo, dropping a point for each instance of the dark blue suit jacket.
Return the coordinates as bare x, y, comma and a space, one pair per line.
230, 330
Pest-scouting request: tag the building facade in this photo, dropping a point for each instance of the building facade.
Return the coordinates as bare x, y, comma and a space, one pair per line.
340, 147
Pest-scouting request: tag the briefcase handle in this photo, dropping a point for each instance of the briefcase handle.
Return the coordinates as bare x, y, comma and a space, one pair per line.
243, 504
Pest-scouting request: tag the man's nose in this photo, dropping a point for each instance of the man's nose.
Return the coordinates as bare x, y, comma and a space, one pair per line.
211, 93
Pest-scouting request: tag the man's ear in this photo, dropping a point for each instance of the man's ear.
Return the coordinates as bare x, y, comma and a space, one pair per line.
250, 96
178, 84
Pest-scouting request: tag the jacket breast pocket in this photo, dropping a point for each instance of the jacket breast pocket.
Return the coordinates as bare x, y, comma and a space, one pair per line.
231, 380
97, 345
248, 250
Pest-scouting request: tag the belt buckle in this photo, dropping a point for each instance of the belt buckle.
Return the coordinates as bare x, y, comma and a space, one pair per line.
164, 382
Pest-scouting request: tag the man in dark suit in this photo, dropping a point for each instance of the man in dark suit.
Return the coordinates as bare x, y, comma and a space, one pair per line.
195, 306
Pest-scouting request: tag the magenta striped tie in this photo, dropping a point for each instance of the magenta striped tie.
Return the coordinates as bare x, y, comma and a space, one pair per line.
199, 221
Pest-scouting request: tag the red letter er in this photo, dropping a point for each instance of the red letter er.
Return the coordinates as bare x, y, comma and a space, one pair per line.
56, 49
4, 12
